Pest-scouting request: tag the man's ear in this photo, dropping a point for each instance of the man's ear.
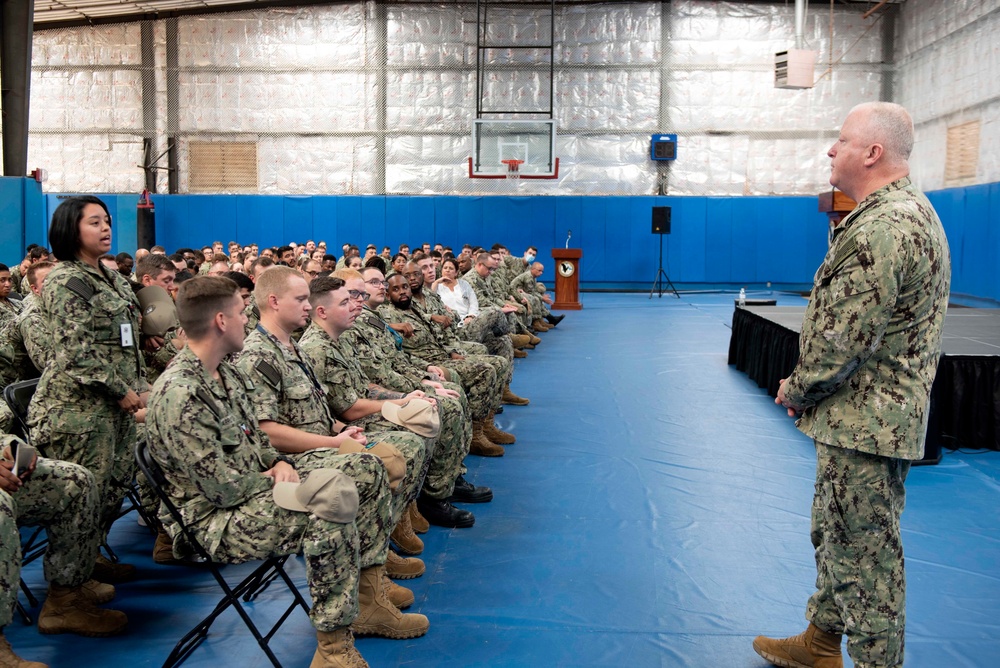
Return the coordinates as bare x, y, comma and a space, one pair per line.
874, 154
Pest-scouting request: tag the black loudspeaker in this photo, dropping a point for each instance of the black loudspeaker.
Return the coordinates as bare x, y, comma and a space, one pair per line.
661, 220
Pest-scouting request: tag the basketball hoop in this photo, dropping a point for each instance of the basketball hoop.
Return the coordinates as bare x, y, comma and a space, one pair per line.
512, 172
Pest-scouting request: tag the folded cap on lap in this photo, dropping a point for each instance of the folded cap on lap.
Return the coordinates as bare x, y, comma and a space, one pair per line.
417, 415
327, 493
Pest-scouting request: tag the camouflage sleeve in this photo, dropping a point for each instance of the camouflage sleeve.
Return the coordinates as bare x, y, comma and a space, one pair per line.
340, 396
37, 341
192, 444
79, 341
266, 398
853, 297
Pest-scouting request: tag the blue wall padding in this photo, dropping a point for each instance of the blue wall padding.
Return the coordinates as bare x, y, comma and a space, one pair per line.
714, 240
970, 216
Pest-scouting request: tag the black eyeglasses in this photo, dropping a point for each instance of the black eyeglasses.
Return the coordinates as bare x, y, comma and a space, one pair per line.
358, 294
376, 283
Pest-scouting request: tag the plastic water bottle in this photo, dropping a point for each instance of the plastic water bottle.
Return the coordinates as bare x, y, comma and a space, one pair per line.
743, 297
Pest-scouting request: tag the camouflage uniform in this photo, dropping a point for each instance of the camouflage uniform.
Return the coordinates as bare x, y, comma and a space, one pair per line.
339, 368
75, 411
206, 439
503, 357
62, 497
869, 350
490, 328
525, 282
29, 341
489, 296
9, 309
286, 391
383, 361
344, 383
252, 312
477, 373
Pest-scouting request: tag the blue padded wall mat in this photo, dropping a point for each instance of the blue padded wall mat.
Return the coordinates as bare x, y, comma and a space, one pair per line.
654, 512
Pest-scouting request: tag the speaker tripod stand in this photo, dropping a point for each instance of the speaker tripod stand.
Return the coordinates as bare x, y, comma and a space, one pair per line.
662, 278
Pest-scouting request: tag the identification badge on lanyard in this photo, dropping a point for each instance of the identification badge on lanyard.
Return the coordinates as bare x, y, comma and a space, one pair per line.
126, 328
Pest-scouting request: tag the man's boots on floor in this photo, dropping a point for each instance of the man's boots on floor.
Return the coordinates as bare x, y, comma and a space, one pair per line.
554, 319
519, 354
8, 659
417, 521
399, 596
335, 649
520, 340
112, 573
401, 568
813, 648
510, 398
481, 445
495, 434
377, 615
405, 539
539, 326
70, 610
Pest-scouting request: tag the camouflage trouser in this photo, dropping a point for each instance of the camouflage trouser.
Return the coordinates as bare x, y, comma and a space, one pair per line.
452, 446
259, 529
61, 497
416, 450
479, 378
491, 328
538, 308
860, 579
6, 418
374, 520
100, 437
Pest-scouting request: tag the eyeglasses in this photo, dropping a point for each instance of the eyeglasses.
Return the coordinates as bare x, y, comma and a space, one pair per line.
376, 283
357, 294
311, 273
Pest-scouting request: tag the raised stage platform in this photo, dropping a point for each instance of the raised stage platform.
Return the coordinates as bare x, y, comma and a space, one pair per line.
965, 401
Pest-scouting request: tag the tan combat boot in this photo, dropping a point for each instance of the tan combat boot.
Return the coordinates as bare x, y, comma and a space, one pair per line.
99, 593
378, 616
540, 326
399, 596
519, 354
163, 549
335, 649
481, 445
401, 568
70, 610
812, 649
520, 340
494, 433
510, 398
111, 573
533, 340
10, 660
404, 538
417, 521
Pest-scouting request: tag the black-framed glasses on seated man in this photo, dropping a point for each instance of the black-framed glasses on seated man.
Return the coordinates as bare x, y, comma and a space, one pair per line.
376, 282
358, 295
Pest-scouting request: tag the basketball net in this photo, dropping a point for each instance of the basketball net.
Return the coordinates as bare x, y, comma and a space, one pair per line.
512, 169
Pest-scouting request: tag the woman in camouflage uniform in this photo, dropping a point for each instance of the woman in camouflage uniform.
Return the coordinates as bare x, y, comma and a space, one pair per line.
84, 408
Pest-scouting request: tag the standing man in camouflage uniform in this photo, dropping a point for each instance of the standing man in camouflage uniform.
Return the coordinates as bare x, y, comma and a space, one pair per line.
84, 408
62, 497
869, 350
221, 468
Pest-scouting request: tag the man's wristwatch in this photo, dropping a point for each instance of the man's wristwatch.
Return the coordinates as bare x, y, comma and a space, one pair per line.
287, 460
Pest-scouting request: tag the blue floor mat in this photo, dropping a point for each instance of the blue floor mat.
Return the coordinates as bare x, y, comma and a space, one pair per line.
654, 512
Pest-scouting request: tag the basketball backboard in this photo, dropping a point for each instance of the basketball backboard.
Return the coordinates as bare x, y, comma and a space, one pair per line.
533, 142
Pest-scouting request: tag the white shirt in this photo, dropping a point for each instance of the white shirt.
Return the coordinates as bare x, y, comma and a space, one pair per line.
462, 300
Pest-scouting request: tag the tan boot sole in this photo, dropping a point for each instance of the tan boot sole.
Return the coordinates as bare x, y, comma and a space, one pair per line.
385, 631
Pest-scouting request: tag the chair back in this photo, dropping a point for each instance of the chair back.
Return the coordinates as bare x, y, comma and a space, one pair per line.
18, 397
158, 481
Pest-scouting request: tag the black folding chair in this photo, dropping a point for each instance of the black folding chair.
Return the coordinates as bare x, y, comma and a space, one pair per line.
247, 588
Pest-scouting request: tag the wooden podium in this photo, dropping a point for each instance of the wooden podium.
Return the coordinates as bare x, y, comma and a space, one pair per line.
567, 278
